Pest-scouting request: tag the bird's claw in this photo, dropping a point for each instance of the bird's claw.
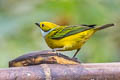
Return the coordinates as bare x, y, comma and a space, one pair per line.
55, 51
74, 58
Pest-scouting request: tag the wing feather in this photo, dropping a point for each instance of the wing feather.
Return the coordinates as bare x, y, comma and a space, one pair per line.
62, 32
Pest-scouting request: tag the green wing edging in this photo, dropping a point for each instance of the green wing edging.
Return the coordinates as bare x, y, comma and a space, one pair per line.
69, 30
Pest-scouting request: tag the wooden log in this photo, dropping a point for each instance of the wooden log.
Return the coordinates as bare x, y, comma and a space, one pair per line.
42, 57
90, 71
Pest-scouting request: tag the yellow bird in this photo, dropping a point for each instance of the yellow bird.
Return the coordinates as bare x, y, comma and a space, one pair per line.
66, 38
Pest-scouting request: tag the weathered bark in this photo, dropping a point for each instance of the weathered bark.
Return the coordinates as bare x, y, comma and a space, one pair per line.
42, 57
99, 71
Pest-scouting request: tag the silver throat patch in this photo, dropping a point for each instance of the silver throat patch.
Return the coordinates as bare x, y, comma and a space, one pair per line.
45, 33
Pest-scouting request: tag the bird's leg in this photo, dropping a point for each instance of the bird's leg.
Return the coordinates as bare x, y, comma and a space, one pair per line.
53, 50
57, 49
76, 53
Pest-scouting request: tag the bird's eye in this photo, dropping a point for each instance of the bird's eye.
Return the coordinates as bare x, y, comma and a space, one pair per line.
43, 25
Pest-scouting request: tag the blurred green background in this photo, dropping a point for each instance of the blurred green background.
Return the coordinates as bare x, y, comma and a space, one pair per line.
19, 35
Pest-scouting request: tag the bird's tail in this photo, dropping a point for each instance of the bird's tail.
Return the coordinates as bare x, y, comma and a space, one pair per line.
104, 26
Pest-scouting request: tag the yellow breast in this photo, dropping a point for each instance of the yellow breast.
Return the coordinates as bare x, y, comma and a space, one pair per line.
70, 42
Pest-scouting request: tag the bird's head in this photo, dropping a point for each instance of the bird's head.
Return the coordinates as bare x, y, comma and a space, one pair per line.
46, 26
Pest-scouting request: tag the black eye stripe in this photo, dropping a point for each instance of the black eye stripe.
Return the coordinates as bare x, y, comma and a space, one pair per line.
43, 25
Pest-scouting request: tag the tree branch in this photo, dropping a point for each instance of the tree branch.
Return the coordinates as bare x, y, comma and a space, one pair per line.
91, 71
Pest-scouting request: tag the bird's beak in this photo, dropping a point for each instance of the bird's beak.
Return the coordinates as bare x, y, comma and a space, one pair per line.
38, 24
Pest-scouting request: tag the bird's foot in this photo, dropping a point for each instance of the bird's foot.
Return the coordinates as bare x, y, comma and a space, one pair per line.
55, 51
76, 59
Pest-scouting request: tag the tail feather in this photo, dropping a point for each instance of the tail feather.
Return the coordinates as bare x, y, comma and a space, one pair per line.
104, 26
89, 25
